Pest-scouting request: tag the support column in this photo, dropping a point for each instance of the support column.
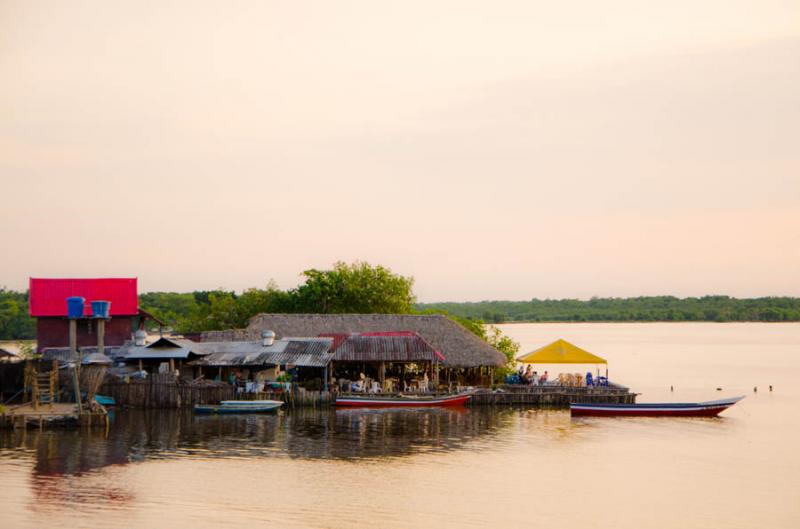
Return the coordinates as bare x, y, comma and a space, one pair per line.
73, 349
101, 336
73, 338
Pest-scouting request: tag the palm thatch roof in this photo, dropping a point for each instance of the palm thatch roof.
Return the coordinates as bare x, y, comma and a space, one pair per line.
392, 346
460, 347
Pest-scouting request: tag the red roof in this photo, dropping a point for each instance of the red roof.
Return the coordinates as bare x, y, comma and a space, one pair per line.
48, 297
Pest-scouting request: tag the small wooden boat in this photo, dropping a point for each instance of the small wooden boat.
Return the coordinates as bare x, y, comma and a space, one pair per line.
104, 400
710, 408
401, 401
239, 406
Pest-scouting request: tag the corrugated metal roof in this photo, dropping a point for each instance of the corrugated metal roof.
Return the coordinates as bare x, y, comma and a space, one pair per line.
96, 359
63, 354
165, 348
398, 346
8, 353
304, 352
48, 297
145, 353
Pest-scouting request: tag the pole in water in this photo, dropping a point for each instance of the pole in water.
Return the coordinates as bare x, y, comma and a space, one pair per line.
770, 387
671, 388
755, 389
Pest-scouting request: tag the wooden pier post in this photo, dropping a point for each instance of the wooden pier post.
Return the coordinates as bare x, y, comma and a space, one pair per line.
101, 336
73, 349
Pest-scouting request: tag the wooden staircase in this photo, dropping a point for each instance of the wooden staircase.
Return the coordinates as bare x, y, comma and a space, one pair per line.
44, 388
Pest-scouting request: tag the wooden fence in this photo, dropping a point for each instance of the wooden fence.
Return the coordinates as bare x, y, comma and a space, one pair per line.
165, 391
296, 397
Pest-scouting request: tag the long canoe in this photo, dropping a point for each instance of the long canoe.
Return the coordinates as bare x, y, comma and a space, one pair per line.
239, 406
710, 408
401, 401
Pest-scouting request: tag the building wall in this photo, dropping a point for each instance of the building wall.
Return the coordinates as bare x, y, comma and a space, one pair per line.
54, 332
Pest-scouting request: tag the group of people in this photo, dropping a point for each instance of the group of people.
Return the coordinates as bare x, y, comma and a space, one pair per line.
531, 377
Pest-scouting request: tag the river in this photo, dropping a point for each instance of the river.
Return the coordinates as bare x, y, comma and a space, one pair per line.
451, 468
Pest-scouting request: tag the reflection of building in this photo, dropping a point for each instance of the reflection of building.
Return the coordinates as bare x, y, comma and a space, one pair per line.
48, 304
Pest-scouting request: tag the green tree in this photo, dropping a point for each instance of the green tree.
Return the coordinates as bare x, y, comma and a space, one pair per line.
505, 345
357, 288
15, 322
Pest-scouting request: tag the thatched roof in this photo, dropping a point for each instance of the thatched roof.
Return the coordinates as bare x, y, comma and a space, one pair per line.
392, 346
460, 347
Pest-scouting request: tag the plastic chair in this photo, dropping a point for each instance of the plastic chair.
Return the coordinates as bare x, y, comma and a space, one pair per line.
602, 381
589, 379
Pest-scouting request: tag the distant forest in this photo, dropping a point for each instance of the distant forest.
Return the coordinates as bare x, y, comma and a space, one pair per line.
651, 308
206, 310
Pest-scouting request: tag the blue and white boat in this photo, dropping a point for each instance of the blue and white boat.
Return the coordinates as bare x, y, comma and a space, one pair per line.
239, 406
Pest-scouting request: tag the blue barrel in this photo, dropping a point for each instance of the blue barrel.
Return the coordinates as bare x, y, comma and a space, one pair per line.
101, 309
75, 307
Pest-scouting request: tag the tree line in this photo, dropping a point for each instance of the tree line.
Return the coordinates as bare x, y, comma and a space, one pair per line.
357, 288
363, 288
647, 308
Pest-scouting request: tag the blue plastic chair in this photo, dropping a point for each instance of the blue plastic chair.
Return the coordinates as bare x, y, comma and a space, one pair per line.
602, 381
589, 379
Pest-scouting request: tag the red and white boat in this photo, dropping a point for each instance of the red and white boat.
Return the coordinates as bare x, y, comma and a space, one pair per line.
710, 408
401, 401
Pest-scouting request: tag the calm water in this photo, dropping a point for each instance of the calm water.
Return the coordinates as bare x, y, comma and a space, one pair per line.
442, 468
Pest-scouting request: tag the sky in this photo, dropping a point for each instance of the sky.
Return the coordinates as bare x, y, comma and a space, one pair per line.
491, 150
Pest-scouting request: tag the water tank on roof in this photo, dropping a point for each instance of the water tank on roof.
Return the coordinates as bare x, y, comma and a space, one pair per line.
139, 338
101, 309
267, 338
75, 307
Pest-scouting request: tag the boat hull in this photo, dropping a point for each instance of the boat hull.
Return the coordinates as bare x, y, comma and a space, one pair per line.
234, 406
693, 409
104, 400
401, 402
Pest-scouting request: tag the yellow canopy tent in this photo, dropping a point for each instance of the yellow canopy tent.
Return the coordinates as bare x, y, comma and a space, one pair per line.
561, 352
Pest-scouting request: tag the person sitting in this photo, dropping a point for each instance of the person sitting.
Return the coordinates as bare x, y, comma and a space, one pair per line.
543, 378
535, 378
528, 377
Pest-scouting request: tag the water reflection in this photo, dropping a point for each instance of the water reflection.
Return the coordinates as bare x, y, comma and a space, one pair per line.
136, 435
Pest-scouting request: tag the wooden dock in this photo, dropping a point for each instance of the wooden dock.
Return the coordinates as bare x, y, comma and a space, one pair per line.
551, 396
43, 416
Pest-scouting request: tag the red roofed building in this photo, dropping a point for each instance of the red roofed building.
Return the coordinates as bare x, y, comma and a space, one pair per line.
48, 304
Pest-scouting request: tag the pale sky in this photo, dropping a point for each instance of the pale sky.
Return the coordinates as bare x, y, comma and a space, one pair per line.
493, 150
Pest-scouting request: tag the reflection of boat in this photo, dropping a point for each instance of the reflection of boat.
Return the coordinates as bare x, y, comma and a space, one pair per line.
239, 406
710, 408
401, 401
